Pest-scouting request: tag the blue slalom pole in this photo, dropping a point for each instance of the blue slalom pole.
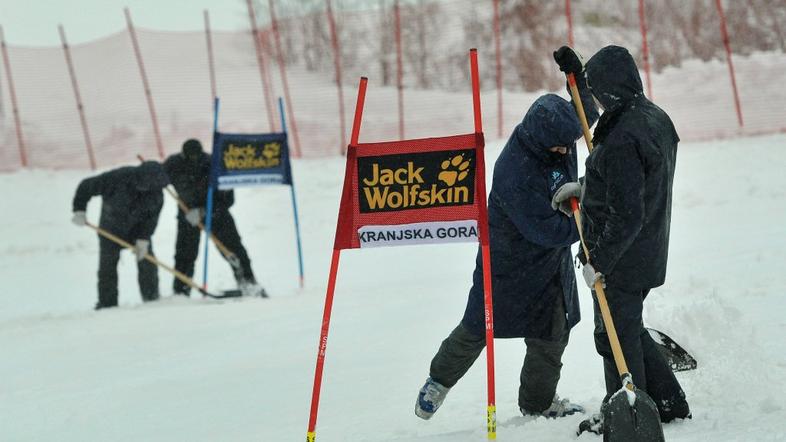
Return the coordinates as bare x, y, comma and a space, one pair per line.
292, 191
210, 191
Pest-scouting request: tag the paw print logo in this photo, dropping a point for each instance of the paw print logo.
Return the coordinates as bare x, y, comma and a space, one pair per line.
454, 170
271, 150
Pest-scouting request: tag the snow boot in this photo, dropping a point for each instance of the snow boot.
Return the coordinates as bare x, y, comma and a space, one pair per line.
558, 408
251, 288
430, 397
149, 298
100, 306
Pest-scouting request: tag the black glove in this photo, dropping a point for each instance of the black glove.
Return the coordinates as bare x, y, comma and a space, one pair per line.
568, 60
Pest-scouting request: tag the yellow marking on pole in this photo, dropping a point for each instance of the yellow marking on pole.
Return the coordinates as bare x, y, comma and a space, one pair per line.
311, 436
491, 421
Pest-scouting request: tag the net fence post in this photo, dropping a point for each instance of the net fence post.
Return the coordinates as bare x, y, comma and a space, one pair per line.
725, 36
78, 97
14, 104
399, 70
284, 81
645, 49
337, 61
498, 55
569, 18
210, 62
266, 87
145, 83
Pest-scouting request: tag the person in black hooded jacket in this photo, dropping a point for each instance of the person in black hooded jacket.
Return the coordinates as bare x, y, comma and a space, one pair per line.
533, 282
626, 206
189, 172
131, 202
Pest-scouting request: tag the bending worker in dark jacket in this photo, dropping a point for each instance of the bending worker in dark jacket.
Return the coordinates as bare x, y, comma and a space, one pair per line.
534, 285
131, 202
626, 208
189, 172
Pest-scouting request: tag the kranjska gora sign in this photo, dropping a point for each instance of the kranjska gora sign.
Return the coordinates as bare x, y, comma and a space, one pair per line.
248, 160
405, 182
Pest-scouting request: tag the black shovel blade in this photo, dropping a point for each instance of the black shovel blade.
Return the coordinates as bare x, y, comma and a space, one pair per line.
677, 357
225, 294
625, 423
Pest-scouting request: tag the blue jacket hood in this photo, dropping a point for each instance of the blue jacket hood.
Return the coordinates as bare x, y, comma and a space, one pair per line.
550, 121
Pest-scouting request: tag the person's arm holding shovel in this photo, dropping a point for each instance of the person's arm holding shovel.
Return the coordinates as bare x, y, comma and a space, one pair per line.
88, 188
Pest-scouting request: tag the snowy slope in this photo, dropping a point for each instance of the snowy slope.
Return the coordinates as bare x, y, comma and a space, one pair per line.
199, 370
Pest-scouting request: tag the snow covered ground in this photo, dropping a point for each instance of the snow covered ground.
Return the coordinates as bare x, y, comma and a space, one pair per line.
200, 370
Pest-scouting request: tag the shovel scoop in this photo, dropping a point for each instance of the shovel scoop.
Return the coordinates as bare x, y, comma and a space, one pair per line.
631, 415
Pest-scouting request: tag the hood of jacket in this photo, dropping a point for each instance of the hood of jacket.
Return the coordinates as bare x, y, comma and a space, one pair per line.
613, 77
550, 121
150, 176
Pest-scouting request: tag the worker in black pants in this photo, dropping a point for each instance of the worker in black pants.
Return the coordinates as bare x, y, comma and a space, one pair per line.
131, 202
189, 172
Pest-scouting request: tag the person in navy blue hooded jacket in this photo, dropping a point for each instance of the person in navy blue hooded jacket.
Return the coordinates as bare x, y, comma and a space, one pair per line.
533, 282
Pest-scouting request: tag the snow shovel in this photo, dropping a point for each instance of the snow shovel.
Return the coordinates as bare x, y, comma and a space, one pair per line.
676, 356
179, 275
630, 414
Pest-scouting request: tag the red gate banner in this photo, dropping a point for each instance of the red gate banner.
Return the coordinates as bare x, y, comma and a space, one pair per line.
423, 191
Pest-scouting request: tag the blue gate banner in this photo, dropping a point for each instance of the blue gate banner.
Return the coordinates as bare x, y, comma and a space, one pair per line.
243, 160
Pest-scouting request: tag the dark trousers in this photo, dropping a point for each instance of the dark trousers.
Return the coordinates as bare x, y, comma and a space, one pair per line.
647, 366
108, 256
539, 373
187, 248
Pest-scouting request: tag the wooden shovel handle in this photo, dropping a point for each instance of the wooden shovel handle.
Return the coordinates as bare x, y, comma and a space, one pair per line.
574, 92
611, 331
231, 257
116, 239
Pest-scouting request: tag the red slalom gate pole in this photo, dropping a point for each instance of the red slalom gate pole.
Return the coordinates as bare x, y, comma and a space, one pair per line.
311, 434
284, 81
14, 105
399, 70
359, 110
645, 48
337, 62
145, 83
261, 64
569, 16
79, 106
498, 54
491, 409
210, 62
725, 36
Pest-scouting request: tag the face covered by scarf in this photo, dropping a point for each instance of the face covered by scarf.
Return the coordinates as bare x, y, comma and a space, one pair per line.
550, 121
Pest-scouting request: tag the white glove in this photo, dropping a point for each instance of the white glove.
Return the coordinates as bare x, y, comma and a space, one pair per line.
561, 199
141, 248
591, 276
194, 216
79, 218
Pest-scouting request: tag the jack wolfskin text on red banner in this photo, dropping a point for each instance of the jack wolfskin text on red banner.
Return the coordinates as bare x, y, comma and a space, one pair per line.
416, 180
